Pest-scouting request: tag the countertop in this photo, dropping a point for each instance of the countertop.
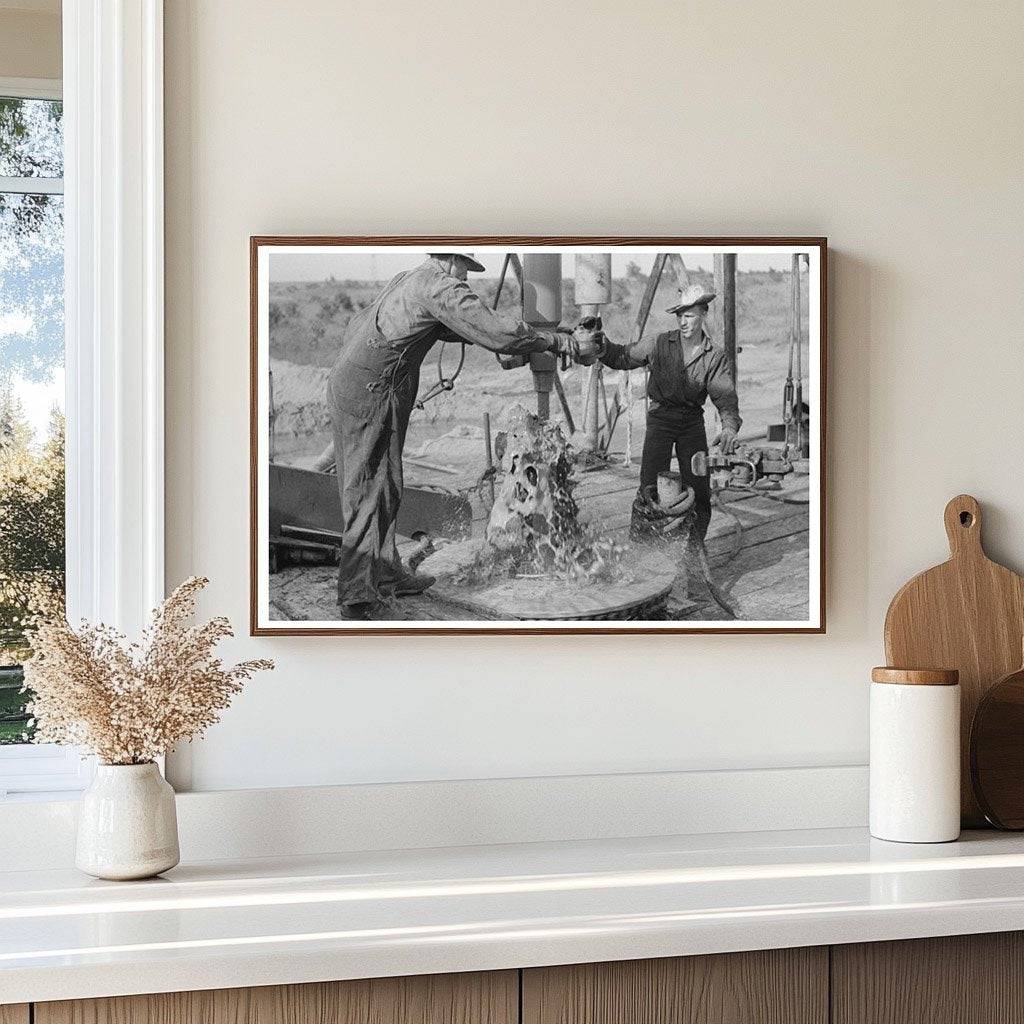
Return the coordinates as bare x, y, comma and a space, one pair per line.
262, 922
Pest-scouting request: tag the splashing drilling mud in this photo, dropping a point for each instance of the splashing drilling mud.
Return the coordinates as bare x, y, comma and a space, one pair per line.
534, 529
539, 558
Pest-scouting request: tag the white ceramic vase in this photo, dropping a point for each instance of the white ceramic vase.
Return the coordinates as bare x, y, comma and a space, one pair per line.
127, 825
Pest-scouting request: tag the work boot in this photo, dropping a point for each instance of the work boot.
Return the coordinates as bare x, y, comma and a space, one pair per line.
407, 584
645, 521
364, 611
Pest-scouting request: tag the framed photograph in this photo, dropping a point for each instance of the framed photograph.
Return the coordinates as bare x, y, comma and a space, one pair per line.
537, 435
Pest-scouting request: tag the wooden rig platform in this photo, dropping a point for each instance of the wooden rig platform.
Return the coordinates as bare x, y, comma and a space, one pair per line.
757, 544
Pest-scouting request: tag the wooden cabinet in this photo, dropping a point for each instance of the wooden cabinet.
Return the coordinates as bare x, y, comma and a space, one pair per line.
491, 998
970, 979
777, 986
962, 979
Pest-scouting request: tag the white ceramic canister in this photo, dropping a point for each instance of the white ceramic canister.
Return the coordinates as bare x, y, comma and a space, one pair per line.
915, 755
127, 824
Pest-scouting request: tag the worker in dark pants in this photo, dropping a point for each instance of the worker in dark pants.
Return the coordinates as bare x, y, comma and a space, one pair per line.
371, 393
685, 370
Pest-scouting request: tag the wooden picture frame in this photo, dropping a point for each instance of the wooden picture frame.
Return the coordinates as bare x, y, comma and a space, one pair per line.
805, 424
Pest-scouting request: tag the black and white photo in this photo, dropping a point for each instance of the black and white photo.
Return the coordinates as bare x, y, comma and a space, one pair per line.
537, 435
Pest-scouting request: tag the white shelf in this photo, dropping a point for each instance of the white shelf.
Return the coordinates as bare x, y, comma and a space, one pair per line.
351, 915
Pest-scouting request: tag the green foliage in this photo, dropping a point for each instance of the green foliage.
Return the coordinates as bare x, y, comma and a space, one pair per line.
31, 138
32, 550
32, 503
14, 727
31, 475
30, 147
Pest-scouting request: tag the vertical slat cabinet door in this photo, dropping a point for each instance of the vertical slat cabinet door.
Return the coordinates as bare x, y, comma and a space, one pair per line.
14, 1013
480, 998
960, 979
778, 986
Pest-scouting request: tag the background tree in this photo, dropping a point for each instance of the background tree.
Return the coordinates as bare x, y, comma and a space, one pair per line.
32, 555
31, 351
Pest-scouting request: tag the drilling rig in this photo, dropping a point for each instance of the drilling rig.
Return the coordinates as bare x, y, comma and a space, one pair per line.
540, 280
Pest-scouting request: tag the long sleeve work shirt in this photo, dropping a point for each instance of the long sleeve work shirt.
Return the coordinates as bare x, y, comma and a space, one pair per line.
422, 305
678, 381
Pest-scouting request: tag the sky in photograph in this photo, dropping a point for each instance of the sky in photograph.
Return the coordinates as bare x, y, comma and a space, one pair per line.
358, 266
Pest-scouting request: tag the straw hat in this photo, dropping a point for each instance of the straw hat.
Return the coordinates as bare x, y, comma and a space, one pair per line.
474, 263
693, 295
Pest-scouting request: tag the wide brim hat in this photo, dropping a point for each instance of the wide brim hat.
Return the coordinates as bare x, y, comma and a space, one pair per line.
692, 295
474, 263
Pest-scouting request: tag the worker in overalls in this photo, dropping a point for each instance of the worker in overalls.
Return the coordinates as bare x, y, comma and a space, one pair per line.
371, 392
685, 369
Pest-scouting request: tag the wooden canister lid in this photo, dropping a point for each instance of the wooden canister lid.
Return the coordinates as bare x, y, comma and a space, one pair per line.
916, 676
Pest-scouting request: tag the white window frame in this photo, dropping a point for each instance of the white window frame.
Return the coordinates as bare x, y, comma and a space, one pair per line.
45, 767
31, 89
114, 335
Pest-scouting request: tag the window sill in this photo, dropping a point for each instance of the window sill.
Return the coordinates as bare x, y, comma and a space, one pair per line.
43, 771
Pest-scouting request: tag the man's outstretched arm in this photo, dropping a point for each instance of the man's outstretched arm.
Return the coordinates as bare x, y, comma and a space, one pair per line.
628, 357
462, 311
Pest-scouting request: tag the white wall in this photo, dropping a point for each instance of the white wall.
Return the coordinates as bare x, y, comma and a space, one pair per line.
897, 130
30, 39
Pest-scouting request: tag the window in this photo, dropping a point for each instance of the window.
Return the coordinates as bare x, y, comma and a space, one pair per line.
107, 143
32, 562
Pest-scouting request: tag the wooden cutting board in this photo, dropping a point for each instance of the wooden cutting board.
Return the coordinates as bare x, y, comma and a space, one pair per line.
997, 752
967, 614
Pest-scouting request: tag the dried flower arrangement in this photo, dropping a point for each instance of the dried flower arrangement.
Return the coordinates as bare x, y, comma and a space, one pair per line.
129, 703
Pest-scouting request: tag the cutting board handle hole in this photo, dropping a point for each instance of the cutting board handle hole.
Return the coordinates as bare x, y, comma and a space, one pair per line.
962, 518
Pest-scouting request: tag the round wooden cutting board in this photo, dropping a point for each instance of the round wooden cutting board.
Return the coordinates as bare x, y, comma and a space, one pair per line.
997, 752
967, 614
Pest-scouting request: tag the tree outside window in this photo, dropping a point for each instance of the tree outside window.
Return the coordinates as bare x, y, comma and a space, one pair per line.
31, 387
